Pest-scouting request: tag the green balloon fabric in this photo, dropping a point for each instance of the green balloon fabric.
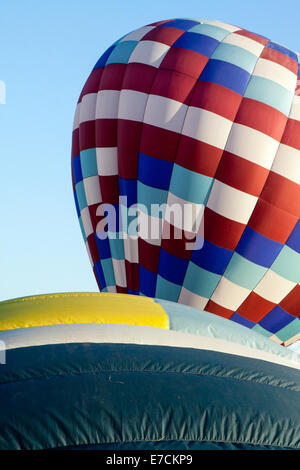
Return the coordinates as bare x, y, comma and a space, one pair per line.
110, 396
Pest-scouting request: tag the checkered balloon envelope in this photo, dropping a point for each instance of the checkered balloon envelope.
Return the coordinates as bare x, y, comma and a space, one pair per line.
186, 171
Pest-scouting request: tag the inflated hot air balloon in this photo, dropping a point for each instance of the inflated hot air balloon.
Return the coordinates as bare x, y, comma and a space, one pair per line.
201, 115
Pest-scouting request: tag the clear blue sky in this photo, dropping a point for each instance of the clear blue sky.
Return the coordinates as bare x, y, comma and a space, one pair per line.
47, 51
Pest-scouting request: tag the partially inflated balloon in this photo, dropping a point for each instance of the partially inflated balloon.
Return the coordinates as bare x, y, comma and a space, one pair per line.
76, 371
194, 114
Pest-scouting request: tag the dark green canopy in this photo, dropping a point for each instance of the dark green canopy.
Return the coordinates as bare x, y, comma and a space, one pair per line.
128, 396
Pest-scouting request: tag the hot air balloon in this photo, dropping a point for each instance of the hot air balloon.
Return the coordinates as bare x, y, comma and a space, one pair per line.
119, 372
205, 115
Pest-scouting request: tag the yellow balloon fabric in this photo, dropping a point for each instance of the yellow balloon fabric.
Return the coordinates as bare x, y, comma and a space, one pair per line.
67, 308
